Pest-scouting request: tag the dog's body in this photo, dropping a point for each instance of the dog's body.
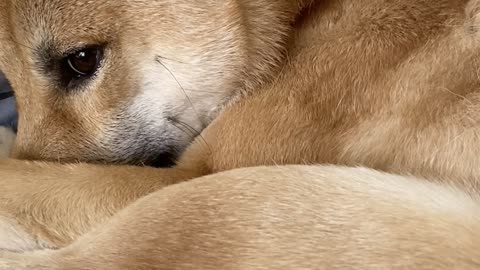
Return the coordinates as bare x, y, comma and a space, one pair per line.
390, 85
7, 138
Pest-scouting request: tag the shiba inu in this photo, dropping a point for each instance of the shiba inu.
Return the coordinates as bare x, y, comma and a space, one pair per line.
7, 138
238, 102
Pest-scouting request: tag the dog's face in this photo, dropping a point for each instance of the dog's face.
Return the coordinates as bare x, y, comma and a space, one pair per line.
118, 81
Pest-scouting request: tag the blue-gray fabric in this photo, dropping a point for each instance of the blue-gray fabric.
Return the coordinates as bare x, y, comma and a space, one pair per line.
8, 112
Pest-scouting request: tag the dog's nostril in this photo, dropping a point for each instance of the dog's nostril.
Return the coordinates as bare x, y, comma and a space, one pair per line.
163, 160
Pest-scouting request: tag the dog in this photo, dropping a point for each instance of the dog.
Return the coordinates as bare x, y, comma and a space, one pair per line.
382, 93
7, 138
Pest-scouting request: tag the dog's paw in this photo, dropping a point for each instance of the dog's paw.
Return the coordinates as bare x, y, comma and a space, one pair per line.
7, 138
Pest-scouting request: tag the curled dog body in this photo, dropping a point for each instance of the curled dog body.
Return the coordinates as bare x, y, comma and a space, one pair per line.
389, 85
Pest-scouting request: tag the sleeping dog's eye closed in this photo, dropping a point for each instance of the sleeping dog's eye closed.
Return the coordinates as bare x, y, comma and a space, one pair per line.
80, 65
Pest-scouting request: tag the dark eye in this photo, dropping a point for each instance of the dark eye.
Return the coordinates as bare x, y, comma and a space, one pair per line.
84, 62
81, 64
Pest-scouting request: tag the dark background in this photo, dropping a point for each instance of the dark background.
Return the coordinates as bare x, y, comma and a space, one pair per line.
8, 114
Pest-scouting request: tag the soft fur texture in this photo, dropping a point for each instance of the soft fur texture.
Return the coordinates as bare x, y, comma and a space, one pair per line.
388, 85
7, 138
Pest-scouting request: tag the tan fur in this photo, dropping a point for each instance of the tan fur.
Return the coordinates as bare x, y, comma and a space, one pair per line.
7, 138
389, 85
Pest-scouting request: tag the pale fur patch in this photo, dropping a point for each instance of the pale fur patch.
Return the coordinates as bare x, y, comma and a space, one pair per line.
183, 91
7, 137
13, 238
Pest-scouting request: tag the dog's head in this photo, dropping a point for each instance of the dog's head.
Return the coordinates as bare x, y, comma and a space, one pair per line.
124, 81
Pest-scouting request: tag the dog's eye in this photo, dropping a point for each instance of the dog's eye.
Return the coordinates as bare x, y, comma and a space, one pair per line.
84, 62
80, 65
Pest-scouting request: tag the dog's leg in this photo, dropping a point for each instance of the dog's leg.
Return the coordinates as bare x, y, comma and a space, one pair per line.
54, 204
294, 217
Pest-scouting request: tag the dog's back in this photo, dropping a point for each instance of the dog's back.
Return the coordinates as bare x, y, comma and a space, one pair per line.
387, 85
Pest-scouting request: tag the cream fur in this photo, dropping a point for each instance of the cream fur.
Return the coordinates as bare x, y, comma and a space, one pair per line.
374, 85
7, 138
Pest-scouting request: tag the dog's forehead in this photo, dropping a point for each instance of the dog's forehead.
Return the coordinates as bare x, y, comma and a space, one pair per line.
55, 11
33, 21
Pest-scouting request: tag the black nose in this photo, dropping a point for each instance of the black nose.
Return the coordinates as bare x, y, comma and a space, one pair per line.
163, 160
